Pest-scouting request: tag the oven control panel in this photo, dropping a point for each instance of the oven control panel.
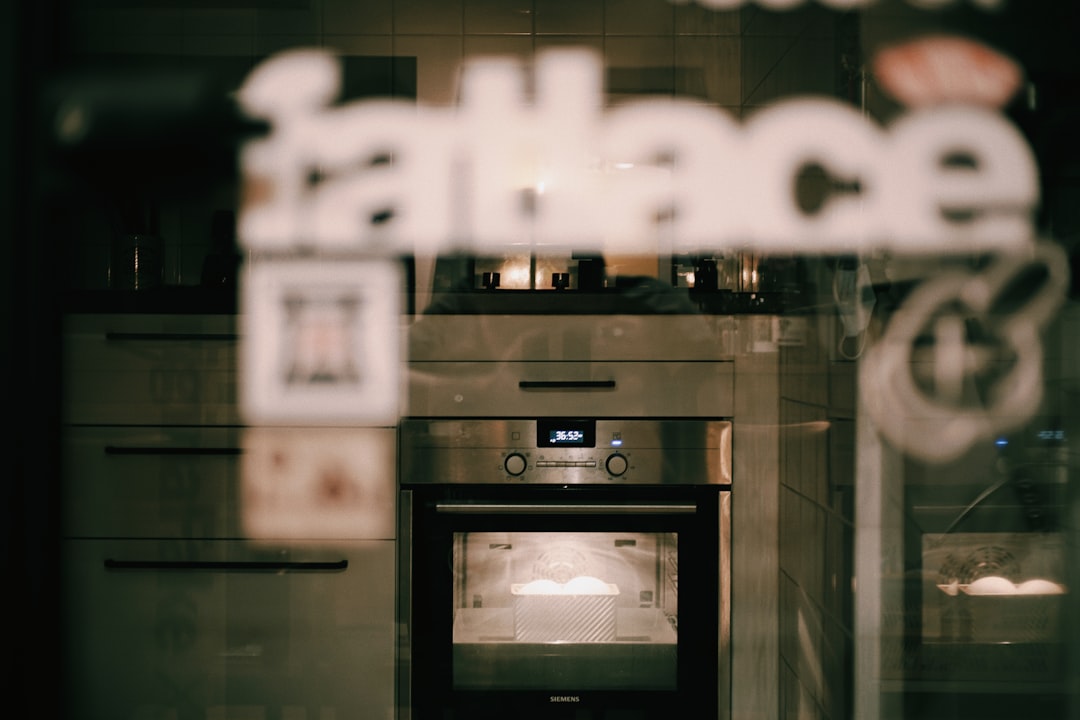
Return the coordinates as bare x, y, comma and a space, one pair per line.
565, 450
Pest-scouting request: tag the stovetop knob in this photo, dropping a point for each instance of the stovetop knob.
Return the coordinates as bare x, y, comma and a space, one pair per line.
515, 464
617, 464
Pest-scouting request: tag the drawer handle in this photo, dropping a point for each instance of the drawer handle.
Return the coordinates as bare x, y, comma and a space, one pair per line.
229, 337
567, 384
170, 450
272, 566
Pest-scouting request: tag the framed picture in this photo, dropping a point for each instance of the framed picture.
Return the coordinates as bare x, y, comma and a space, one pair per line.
320, 342
319, 483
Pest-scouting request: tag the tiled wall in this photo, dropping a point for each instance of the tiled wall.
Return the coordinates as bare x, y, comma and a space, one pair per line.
816, 526
736, 60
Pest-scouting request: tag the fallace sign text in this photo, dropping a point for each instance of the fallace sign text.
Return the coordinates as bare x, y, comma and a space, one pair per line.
555, 170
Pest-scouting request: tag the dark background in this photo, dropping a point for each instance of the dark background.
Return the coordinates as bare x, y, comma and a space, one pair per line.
29, 365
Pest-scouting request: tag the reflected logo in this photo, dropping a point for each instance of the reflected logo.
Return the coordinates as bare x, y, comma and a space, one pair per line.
564, 698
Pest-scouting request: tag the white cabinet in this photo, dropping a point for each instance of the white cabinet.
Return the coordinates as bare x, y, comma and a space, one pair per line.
150, 369
172, 612
152, 481
200, 628
602, 365
612, 389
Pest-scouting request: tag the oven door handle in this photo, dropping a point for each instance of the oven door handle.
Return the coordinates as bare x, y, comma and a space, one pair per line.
565, 508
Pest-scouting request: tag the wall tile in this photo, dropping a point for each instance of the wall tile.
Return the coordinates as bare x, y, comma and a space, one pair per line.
813, 521
639, 52
695, 19
437, 17
129, 21
222, 21
832, 599
639, 17
367, 75
134, 44
835, 655
363, 17
810, 668
638, 66
275, 21
715, 60
789, 621
219, 45
544, 42
520, 46
789, 531
498, 16
438, 66
380, 45
789, 446
266, 45
809, 20
789, 694
569, 17
886, 22
779, 67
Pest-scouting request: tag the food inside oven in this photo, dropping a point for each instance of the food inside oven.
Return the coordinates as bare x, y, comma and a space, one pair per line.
579, 610
544, 609
993, 587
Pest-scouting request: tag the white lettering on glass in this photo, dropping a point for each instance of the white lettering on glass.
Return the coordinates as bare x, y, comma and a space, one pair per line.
961, 361
505, 170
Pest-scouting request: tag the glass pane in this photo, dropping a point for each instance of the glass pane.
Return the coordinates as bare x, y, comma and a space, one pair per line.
562, 610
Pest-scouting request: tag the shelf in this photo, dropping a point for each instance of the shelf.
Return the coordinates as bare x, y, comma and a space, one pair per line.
165, 300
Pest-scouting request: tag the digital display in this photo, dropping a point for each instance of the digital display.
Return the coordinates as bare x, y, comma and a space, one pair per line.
565, 433
565, 437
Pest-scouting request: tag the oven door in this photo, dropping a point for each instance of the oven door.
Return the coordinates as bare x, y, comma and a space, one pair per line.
563, 601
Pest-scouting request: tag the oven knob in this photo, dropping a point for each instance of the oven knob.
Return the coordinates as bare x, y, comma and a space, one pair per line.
616, 464
514, 463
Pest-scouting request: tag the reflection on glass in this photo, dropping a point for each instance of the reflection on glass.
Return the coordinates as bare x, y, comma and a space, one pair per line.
993, 587
513, 270
565, 610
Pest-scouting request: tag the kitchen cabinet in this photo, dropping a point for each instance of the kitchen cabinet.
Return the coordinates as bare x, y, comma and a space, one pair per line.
174, 611
149, 369
613, 365
160, 482
219, 628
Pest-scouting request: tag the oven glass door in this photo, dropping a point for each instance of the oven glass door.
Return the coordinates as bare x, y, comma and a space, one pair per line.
543, 598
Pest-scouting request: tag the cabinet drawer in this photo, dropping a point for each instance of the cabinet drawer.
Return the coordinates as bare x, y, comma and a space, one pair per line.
152, 482
222, 629
623, 389
215, 482
150, 369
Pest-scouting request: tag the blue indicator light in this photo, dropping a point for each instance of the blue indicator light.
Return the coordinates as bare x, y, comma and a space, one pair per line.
616, 443
1001, 442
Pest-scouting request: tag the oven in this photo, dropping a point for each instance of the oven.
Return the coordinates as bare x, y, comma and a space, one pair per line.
981, 620
564, 568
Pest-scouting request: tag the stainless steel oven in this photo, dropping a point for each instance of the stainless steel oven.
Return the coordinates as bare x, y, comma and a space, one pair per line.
982, 616
564, 568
